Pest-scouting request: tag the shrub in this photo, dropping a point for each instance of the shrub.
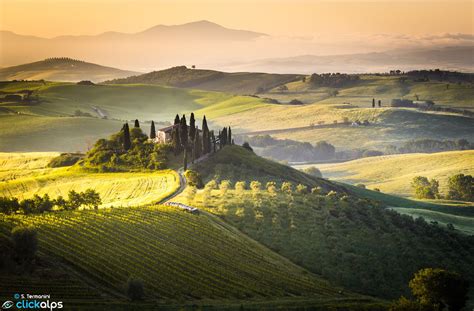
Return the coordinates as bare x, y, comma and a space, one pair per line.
287, 187
240, 186
316, 190
135, 289
247, 146
313, 171
193, 178
461, 187
9, 205
302, 189
91, 198
425, 189
360, 186
224, 186
212, 184
25, 243
271, 187
65, 159
440, 288
255, 186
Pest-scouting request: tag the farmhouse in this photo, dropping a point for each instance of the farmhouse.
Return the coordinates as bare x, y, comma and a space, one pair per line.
163, 135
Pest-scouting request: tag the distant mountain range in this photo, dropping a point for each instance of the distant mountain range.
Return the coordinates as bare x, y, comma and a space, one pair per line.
448, 58
62, 69
209, 45
158, 46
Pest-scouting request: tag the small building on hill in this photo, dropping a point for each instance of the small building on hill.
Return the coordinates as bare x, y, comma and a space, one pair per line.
163, 135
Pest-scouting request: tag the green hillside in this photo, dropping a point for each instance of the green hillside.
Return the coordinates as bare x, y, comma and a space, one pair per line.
179, 256
236, 83
52, 124
393, 174
62, 69
235, 163
385, 88
347, 235
387, 126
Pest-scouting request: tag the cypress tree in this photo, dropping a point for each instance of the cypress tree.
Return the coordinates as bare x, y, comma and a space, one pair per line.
185, 160
176, 119
380, 103
197, 145
152, 130
183, 132
229, 137
192, 127
213, 138
224, 136
126, 137
373, 102
205, 136
175, 141
137, 124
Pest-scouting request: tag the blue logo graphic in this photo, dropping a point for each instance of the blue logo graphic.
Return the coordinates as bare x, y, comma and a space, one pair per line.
7, 304
16, 296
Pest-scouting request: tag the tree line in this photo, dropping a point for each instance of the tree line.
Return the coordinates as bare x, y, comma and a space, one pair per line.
460, 187
41, 204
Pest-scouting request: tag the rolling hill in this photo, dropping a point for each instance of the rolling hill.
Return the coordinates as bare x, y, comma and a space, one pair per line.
62, 69
178, 256
211, 80
54, 125
344, 235
182, 258
394, 173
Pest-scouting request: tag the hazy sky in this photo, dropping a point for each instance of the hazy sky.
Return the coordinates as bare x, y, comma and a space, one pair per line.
48, 18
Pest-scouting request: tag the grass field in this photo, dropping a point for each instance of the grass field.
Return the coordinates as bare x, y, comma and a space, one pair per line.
179, 256
385, 88
393, 174
243, 113
388, 126
24, 175
52, 126
464, 224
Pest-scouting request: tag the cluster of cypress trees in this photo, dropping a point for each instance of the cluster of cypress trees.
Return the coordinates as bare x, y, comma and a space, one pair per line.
187, 139
225, 137
379, 103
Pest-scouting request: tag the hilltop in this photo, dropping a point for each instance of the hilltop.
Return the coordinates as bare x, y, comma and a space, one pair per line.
211, 80
62, 69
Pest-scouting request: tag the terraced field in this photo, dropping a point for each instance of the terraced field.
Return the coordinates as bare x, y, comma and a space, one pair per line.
22, 175
176, 254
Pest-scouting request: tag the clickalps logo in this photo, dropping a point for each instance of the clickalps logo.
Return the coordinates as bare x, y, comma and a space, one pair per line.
32, 302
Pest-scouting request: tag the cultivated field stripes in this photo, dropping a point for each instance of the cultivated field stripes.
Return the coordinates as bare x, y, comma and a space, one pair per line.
175, 253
